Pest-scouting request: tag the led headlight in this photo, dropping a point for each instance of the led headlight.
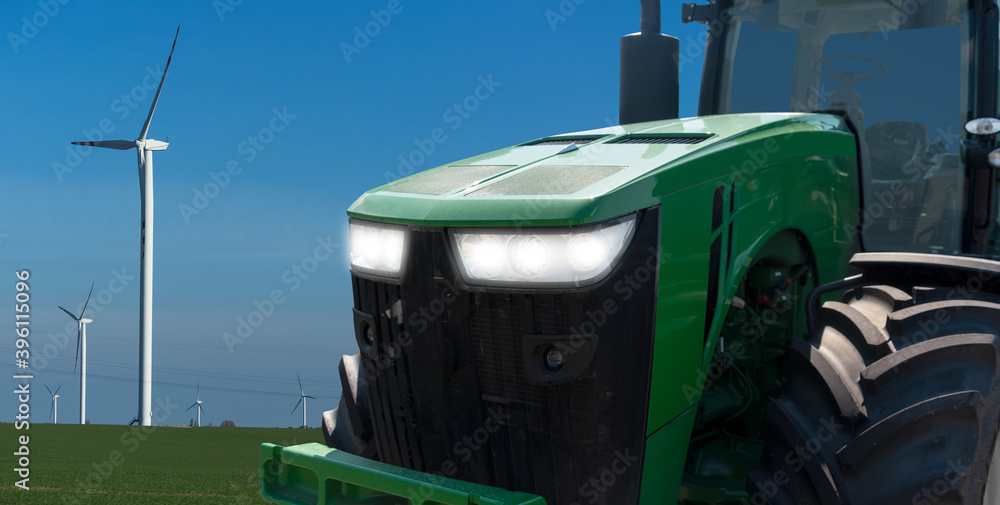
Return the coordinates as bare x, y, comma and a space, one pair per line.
377, 248
546, 256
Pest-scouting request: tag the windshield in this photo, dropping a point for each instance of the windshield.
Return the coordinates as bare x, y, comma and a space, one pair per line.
898, 70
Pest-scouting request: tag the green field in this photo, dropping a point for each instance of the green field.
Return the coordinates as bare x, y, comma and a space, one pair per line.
74, 464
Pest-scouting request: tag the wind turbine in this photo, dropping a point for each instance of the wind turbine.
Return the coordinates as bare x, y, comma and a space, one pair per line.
144, 148
81, 352
302, 400
55, 404
197, 404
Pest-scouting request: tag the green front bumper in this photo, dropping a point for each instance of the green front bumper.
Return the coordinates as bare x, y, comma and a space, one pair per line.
314, 474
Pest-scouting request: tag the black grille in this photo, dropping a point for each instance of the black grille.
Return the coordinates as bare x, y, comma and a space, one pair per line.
448, 389
662, 140
565, 141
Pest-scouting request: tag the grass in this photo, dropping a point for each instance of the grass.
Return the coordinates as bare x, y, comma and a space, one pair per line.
112, 465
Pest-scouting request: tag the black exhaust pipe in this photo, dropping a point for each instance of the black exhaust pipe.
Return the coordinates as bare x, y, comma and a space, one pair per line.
651, 17
650, 73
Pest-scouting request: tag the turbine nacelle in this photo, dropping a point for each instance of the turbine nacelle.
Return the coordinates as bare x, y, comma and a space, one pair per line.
154, 145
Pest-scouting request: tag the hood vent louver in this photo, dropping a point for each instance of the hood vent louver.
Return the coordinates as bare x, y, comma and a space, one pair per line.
565, 141
663, 139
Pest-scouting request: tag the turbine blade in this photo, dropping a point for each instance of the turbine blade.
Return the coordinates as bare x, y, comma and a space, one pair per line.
300, 384
49, 390
70, 313
58, 388
84, 311
307, 396
76, 357
201, 408
156, 97
121, 145
295, 407
191, 407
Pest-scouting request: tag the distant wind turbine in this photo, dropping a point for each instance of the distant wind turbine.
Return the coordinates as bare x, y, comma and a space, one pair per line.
302, 400
197, 403
54, 414
81, 352
144, 148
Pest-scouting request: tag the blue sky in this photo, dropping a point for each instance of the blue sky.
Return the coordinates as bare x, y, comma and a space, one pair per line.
308, 115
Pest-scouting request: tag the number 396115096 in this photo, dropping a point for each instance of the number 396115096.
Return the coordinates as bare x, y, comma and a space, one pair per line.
22, 318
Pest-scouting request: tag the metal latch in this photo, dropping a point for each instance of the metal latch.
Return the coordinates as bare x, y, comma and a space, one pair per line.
699, 13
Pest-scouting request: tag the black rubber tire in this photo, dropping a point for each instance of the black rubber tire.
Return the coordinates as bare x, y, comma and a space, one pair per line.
349, 426
895, 400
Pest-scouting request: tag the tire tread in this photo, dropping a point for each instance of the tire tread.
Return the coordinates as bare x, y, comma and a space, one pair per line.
927, 394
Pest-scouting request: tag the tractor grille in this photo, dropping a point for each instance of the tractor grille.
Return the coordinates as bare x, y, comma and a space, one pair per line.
450, 395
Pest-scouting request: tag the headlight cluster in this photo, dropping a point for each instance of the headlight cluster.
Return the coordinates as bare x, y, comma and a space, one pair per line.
497, 257
571, 257
377, 248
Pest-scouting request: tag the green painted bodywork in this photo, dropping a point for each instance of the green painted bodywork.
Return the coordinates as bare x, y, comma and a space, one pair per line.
780, 174
308, 474
662, 467
651, 172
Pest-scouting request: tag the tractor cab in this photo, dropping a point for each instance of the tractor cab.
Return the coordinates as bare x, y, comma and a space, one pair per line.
907, 75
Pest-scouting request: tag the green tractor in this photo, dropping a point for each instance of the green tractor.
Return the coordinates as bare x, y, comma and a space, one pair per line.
793, 298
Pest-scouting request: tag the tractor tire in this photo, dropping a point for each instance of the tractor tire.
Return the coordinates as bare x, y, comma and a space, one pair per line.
349, 426
893, 400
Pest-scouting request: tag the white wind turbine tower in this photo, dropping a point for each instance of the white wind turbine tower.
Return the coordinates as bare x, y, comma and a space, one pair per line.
144, 148
302, 400
55, 403
81, 352
197, 403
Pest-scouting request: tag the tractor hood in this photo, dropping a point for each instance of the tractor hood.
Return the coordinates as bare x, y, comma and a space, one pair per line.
594, 175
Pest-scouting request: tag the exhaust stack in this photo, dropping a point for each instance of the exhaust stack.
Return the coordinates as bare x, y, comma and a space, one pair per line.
650, 74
